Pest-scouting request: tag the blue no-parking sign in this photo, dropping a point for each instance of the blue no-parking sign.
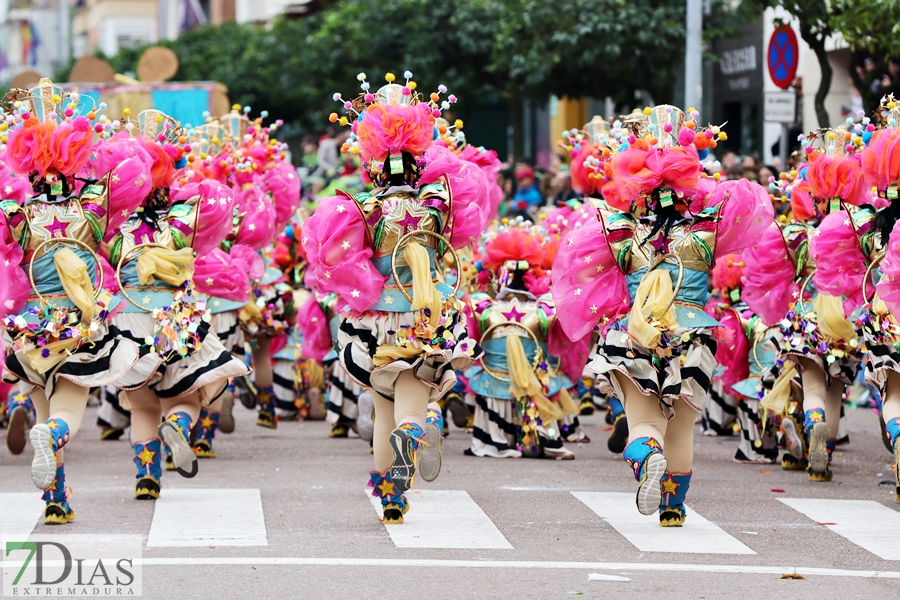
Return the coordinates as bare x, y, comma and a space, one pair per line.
783, 56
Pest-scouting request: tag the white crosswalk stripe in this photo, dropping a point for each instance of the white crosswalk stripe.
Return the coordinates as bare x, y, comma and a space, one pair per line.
20, 512
444, 519
208, 517
866, 523
698, 536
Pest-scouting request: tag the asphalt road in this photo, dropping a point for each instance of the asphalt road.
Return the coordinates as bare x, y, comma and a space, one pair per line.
323, 538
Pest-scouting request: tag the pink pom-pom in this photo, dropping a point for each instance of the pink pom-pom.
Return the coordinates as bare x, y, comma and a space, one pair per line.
406, 91
435, 112
370, 97
632, 139
667, 128
686, 137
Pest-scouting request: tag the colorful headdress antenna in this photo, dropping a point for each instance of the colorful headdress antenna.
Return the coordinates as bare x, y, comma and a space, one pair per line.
156, 126
597, 129
451, 134
235, 122
393, 121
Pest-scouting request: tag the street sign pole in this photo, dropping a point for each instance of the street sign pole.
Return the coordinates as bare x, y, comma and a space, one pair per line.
693, 54
783, 147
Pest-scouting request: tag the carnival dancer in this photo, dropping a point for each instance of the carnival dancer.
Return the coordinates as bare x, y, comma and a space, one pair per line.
658, 353
745, 361
814, 335
61, 341
521, 399
154, 253
404, 346
268, 185
858, 257
590, 168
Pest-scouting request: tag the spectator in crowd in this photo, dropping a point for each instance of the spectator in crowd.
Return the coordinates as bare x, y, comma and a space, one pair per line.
765, 174
562, 190
527, 195
890, 81
328, 156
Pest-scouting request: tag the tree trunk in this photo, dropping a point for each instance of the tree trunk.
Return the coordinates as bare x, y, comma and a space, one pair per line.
817, 44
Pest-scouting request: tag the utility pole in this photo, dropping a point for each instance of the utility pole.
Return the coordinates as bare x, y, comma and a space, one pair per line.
64, 49
693, 55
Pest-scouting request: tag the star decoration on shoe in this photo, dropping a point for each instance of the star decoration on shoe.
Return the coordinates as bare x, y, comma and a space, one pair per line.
206, 422
652, 443
670, 486
146, 456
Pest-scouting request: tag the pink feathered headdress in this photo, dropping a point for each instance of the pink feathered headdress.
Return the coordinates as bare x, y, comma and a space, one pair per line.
514, 244
50, 148
881, 159
384, 129
836, 177
639, 170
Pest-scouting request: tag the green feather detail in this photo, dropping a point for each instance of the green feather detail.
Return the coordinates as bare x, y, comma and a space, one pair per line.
115, 251
707, 251
95, 225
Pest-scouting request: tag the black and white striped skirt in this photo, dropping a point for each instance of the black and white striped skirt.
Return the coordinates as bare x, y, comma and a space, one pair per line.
360, 336
206, 370
686, 375
342, 397
105, 360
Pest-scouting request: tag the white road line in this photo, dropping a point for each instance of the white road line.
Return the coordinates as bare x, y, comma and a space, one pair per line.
207, 517
508, 564
866, 523
19, 512
698, 536
443, 519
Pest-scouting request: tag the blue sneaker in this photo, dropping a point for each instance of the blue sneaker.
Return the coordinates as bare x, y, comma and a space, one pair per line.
57, 511
393, 502
674, 488
644, 455
404, 442
148, 459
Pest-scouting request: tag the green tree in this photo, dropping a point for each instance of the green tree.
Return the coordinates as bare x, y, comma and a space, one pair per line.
871, 26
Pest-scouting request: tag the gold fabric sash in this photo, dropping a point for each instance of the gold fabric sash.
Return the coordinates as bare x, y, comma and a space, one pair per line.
524, 382
653, 296
173, 267
424, 293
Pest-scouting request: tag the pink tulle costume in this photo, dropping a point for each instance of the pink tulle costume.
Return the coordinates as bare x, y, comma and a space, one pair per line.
51, 336
350, 240
858, 263
179, 352
811, 254
601, 265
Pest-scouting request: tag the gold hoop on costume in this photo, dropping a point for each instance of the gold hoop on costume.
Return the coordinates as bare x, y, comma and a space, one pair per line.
66, 241
865, 282
537, 356
122, 261
677, 288
403, 241
803, 287
756, 343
